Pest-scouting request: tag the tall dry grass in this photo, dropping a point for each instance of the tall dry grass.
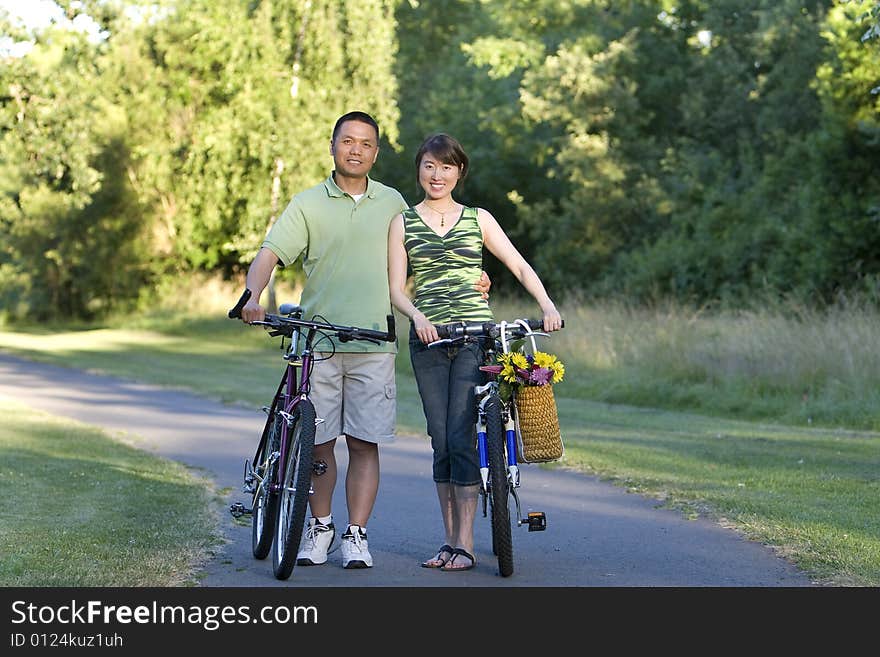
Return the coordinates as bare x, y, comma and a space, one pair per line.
786, 362
779, 361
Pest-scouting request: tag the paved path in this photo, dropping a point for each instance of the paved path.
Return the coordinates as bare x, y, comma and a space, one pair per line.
597, 534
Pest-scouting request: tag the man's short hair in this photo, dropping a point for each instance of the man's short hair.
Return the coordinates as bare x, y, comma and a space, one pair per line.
363, 117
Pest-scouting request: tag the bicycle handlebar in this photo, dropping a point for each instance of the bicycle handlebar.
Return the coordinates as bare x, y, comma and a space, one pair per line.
286, 325
458, 330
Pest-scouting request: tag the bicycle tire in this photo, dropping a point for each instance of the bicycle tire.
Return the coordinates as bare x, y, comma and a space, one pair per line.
294, 494
264, 506
499, 489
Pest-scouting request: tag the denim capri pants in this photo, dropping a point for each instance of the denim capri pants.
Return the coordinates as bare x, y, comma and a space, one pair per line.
446, 377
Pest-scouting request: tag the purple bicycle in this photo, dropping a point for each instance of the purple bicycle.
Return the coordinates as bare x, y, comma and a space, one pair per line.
280, 474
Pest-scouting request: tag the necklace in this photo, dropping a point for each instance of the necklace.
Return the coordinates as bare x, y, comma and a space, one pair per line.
442, 213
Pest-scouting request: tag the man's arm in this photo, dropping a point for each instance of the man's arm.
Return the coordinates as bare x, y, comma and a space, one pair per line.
257, 279
482, 286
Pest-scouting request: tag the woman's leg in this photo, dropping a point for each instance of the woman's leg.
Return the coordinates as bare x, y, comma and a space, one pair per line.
462, 441
465, 504
444, 496
431, 368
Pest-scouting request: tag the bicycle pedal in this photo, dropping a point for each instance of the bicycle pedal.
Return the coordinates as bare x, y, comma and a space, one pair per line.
238, 510
537, 521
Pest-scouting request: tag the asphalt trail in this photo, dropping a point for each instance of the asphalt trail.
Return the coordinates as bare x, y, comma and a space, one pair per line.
598, 535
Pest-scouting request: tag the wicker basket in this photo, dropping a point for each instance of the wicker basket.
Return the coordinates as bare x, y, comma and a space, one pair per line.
537, 425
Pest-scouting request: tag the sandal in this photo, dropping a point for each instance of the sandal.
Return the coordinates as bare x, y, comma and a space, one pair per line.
458, 552
439, 561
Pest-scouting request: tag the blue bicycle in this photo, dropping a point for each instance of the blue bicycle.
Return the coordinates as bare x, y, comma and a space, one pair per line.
496, 429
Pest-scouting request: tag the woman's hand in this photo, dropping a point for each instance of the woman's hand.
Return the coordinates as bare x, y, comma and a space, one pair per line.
552, 319
424, 329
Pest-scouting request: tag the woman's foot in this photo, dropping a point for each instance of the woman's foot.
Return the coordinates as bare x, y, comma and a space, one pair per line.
461, 559
444, 554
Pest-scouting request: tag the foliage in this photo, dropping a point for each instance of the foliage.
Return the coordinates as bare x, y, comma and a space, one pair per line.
196, 108
70, 228
699, 151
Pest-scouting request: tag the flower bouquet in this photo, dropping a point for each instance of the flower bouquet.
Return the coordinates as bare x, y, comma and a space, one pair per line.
527, 378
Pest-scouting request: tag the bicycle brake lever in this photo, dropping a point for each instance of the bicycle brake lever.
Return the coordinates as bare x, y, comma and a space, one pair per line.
438, 343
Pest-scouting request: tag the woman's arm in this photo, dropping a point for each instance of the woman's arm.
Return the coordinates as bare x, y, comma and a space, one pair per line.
397, 262
501, 247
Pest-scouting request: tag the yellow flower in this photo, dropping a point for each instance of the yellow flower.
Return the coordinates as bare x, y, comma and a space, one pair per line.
558, 371
516, 362
551, 363
508, 373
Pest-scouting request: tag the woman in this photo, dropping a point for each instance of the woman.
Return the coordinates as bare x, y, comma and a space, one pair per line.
442, 241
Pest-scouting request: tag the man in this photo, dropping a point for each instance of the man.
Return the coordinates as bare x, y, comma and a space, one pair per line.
340, 227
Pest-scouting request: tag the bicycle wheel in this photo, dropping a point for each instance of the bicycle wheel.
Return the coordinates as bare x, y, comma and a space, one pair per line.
265, 502
499, 490
294, 494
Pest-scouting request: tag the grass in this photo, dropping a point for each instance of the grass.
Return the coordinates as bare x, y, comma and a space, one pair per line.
811, 494
86, 510
765, 422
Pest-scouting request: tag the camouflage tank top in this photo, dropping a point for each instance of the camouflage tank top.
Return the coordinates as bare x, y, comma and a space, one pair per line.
446, 268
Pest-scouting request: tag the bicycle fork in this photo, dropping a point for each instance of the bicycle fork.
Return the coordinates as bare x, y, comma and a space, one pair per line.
536, 520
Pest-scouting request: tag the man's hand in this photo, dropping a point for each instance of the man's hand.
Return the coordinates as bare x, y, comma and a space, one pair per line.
482, 286
252, 311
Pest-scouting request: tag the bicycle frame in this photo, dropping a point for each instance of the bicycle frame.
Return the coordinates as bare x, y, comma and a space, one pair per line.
296, 388
292, 389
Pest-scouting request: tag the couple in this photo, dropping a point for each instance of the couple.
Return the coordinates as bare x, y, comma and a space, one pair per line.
343, 228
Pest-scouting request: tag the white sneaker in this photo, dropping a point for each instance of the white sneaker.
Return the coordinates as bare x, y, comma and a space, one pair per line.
354, 548
316, 543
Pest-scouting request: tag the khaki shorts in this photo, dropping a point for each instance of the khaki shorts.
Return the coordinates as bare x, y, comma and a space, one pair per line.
355, 395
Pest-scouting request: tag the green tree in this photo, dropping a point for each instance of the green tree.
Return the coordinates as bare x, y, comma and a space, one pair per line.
252, 90
71, 245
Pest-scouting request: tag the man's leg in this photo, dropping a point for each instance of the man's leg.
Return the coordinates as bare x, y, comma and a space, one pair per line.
368, 410
321, 499
361, 487
361, 480
320, 530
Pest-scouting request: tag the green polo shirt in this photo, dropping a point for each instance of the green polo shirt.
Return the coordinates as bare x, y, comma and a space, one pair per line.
344, 246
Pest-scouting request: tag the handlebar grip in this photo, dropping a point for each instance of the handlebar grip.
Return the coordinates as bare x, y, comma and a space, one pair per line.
538, 324
392, 331
235, 313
